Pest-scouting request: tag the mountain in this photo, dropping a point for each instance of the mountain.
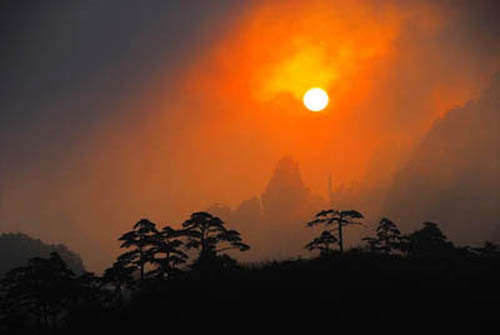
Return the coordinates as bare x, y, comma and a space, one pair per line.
17, 248
274, 223
453, 177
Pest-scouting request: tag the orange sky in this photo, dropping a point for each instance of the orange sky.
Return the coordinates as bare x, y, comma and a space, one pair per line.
213, 129
254, 78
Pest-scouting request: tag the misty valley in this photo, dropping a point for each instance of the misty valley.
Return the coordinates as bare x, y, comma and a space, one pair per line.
217, 161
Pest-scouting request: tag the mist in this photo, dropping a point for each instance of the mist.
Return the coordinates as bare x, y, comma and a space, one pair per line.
452, 176
178, 108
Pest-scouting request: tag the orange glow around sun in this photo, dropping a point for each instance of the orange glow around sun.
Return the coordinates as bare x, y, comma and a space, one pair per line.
256, 73
279, 50
287, 49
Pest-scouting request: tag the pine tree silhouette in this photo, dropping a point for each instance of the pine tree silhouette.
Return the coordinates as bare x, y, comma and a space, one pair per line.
388, 238
167, 243
141, 239
208, 234
338, 219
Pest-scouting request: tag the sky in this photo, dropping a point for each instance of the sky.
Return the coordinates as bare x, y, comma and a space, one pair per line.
111, 111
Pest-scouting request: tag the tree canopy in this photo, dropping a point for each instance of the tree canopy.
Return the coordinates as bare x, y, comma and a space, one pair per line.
334, 220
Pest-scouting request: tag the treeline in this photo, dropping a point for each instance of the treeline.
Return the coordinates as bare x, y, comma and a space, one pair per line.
17, 248
186, 273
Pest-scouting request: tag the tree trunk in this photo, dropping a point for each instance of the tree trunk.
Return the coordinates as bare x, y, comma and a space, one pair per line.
341, 241
202, 242
141, 263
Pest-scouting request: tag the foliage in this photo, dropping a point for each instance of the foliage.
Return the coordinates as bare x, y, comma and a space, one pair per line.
17, 248
338, 219
160, 250
168, 244
44, 296
141, 240
388, 238
322, 243
39, 290
120, 277
429, 241
208, 234
489, 250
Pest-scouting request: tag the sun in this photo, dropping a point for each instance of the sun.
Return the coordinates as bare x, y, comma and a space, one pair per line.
315, 99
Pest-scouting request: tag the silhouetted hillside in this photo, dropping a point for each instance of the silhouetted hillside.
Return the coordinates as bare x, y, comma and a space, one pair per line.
454, 175
16, 249
422, 275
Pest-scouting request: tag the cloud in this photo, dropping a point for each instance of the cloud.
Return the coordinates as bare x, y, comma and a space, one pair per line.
112, 111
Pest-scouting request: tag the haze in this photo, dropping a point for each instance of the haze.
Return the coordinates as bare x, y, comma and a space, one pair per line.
114, 111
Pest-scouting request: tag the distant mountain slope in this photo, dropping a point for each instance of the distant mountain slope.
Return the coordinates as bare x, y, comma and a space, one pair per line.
16, 249
453, 178
274, 223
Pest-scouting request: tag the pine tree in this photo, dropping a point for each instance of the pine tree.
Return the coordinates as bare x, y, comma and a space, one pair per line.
322, 243
141, 239
168, 243
41, 290
338, 219
208, 234
388, 238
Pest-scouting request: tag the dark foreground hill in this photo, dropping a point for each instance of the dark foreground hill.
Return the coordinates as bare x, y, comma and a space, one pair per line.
392, 278
358, 285
354, 286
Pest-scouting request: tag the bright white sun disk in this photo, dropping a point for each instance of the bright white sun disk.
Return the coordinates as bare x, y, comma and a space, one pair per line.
315, 99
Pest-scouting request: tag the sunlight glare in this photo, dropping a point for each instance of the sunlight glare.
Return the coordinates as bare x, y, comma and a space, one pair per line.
315, 99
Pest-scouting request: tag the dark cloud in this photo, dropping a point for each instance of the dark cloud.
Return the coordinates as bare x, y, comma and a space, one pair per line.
72, 69
65, 66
